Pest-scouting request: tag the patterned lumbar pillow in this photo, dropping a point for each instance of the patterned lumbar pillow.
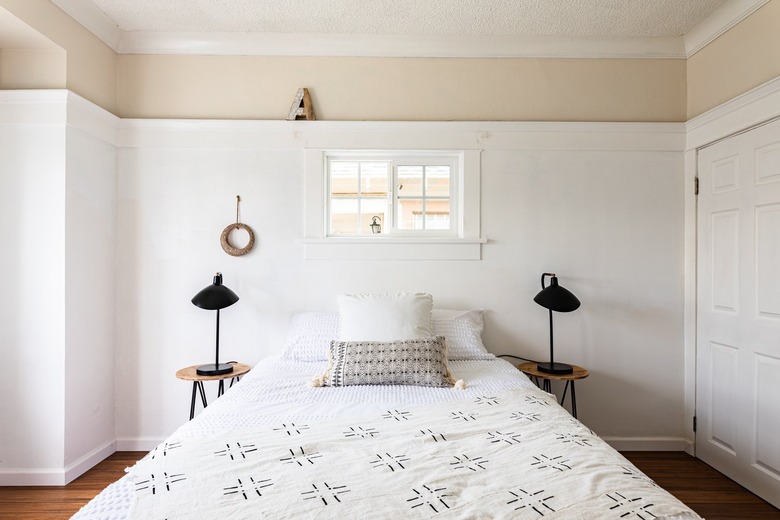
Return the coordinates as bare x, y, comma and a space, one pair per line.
420, 361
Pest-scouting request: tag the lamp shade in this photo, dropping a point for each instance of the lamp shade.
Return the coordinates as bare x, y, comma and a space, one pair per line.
557, 298
215, 296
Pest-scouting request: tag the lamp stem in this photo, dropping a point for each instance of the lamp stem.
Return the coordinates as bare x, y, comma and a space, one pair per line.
216, 363
552, 360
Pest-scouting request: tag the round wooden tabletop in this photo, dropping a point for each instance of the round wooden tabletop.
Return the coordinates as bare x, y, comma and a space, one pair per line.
190, 374
532, 370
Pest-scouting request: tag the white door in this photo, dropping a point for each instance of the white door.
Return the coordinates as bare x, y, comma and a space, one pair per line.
738, 309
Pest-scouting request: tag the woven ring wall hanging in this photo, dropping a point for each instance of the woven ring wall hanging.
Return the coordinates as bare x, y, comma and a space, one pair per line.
224, 239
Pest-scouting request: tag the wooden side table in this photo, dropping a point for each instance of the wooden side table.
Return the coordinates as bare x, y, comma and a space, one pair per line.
190, 374
533, 371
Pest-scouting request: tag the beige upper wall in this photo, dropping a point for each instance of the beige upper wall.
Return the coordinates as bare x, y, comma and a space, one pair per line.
91, 64
32, 69
410, 89
743, 58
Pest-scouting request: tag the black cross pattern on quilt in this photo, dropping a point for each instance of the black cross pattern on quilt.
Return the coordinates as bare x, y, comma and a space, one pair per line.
436, 436
325, 492
359, 431
431, 497
397, 415
166, 448
581, 426
292, 429
574, 438
236, 451
466, 417
635, 474
632, 509
300, 457
391, 461
508, 438
490, 401
525, 416
532, 399
558, 463
469, 463
536, 501
247, 487
153, 482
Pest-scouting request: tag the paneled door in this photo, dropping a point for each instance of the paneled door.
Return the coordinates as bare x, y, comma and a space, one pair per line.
738, 309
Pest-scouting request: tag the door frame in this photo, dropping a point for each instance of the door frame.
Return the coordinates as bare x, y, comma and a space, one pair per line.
740, 114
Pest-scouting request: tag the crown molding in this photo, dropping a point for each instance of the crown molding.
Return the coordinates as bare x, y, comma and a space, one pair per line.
411, 46
406, 46
723, 19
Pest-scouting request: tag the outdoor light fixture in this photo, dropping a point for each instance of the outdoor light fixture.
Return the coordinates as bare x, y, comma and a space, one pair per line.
376, 227
555, 298
215, 297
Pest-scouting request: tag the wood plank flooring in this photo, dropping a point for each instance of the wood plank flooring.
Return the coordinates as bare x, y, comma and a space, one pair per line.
710, 494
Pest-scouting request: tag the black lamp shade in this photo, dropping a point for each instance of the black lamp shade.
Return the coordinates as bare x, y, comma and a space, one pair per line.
215, 296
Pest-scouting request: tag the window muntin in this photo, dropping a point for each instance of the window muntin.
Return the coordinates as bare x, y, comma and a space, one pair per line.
410, 194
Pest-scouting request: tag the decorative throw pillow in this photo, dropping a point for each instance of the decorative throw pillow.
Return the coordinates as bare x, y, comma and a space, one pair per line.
406, 362
385, 317
463, 332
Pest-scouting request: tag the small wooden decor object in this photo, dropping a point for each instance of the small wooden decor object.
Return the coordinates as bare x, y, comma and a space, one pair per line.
301, 107
224, 239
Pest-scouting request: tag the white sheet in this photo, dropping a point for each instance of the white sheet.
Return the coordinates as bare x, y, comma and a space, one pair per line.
278, 390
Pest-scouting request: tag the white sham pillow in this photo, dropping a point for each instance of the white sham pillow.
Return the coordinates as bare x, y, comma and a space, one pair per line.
463, 332
385, 317
309, 335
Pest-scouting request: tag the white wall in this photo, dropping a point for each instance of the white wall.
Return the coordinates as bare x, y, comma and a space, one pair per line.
57, 189
32, 317
600, 204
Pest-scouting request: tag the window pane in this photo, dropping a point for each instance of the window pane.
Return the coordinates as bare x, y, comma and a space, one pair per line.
410, 181
437, 214
373, 178
343, 216
373, 208
437, 181
410, 214
344, 178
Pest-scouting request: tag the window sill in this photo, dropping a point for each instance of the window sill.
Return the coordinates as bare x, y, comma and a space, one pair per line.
393, 248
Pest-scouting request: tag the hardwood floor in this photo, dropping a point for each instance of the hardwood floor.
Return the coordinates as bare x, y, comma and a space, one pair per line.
703, 489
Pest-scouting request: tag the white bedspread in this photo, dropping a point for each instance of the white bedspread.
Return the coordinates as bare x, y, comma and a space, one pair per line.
273, 447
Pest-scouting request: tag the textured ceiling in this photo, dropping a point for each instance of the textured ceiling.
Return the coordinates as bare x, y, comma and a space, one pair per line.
572, 18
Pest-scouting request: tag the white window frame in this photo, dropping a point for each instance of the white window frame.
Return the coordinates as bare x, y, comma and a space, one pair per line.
395, 159
463, 242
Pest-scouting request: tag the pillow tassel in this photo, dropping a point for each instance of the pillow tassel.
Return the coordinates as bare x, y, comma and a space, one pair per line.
316, 381
460, 384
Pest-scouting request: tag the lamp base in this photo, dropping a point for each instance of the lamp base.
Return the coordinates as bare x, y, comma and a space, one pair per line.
554, 368
214, 370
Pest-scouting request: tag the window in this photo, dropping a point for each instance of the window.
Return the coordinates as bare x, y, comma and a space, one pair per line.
392, 194
426, 203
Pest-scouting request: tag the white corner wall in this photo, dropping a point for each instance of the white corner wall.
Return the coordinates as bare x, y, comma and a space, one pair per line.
57, 189
599, 204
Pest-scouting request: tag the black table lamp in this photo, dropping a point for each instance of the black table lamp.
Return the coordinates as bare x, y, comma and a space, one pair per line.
215, 297
555, 298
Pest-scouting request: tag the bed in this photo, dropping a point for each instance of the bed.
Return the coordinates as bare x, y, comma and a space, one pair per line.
277, 446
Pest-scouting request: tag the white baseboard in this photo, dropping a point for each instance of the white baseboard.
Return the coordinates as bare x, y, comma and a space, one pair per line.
649, 443
138, 443
89, 461
56, 476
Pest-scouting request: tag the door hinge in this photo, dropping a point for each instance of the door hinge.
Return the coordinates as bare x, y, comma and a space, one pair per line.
695, 185
694, 424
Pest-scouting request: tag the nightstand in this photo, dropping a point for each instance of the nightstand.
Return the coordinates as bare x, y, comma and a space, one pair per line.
531, 370
190, 374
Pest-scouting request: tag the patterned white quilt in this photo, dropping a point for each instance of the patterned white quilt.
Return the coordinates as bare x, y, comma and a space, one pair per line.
514, 454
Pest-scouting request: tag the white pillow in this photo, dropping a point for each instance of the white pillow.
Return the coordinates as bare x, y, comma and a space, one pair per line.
385, 317
462, 330
309, 335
